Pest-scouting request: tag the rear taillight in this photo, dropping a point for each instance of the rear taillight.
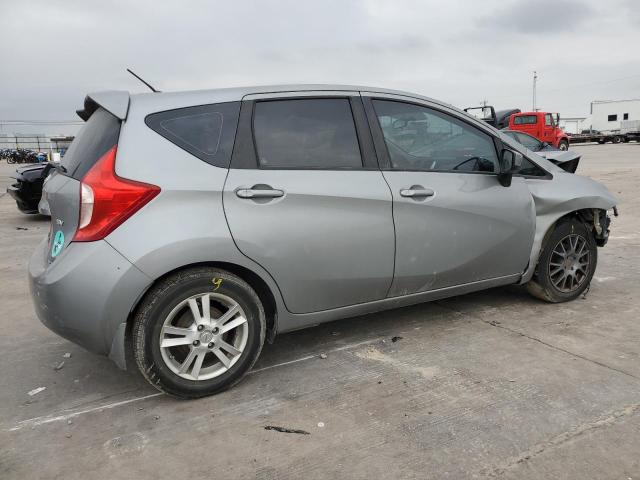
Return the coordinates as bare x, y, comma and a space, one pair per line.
107, 200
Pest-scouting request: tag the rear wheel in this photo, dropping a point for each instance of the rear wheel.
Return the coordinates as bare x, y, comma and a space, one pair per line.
198, 332
563, 145
566, 264
617, 139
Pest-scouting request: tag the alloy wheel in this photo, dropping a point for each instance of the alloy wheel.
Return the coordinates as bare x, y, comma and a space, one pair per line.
569, 264
203, 336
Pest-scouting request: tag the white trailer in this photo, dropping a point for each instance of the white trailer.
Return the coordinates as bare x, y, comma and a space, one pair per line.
608, 115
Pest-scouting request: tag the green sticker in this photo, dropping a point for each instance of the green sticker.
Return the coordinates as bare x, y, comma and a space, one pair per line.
58, 243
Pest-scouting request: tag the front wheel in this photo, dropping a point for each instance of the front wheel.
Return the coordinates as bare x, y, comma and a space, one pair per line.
566, 264
198, 332
563, 145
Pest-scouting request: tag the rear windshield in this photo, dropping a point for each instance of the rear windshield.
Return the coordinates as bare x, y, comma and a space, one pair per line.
95, 138
525, 120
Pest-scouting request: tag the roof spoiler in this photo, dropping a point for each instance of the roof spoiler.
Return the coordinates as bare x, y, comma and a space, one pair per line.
115, 102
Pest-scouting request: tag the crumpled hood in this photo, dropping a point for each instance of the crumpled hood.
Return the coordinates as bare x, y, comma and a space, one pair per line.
559, 156
568, 192
547, 159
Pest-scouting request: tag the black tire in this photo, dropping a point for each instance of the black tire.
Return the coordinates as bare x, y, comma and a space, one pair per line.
617, 139
601, 141
542, 285
563, 145
156, 307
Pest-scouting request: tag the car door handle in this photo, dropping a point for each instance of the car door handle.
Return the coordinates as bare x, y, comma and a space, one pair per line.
417, 192
259, 193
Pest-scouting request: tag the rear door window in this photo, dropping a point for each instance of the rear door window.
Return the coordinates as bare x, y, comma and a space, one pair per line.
205, 131
95, 138
317, 133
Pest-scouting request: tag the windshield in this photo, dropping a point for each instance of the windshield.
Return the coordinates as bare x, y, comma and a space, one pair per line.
98, 135
527, 140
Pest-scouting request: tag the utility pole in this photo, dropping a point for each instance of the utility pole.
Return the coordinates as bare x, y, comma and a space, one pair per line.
535, 80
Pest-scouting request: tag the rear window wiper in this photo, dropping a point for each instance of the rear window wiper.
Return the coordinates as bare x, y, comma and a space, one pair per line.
61, 167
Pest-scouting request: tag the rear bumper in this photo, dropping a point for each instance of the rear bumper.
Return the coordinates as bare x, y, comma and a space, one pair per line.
24, 201
86, 294
13, 191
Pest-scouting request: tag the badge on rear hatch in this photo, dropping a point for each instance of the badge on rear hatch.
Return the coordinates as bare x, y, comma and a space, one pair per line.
58, 243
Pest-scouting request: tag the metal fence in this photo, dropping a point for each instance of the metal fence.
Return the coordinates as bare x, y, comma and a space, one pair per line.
36, 143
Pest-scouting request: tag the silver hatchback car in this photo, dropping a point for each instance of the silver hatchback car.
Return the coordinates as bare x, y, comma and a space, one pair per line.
187, 228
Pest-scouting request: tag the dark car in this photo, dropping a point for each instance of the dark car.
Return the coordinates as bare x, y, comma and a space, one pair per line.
565, 159
27, 187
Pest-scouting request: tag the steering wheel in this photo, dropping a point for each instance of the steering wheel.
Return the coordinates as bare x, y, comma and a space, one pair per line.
472, 159
477, 166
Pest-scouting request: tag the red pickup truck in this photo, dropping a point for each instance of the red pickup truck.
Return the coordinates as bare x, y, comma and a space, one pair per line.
542, 125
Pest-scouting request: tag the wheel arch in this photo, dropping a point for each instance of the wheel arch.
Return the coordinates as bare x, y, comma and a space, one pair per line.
256, 282
584, 215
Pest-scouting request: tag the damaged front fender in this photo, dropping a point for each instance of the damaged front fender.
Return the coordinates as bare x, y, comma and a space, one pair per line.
564, 195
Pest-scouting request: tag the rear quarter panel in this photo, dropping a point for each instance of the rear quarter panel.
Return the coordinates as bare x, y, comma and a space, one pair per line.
185, 224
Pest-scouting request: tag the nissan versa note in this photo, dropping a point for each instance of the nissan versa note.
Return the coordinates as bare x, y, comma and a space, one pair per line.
187, 228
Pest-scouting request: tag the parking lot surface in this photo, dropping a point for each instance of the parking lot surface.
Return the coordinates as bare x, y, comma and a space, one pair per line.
494, 384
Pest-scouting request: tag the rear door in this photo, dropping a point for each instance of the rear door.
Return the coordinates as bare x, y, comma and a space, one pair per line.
455, 223
62, 189
305, 199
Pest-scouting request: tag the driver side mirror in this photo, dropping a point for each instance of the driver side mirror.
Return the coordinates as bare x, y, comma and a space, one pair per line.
510, 162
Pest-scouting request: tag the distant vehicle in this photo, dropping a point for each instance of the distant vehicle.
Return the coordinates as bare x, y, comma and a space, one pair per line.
487, 113
587, 136
541, 125
503, 116
629, 130
26, 189
566, 160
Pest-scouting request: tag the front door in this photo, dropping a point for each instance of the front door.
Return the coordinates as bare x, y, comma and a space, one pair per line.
304, 200
549, 129
455, 223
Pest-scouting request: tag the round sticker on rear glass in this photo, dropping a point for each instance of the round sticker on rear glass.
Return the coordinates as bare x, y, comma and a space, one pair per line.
58, 243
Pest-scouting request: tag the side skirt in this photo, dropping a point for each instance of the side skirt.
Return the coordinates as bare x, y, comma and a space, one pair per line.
288, 322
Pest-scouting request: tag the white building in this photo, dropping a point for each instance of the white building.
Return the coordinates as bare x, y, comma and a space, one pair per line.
607, 114
573, 124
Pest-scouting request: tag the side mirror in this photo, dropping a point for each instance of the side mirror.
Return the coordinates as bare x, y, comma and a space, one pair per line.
510, 162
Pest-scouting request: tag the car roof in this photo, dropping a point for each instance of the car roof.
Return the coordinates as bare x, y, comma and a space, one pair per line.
241, 92
118, 102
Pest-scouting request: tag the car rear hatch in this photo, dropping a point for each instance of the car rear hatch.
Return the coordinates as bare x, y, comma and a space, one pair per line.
63, 188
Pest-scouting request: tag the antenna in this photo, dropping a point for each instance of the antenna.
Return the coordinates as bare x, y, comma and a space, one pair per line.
535, 81
140, 78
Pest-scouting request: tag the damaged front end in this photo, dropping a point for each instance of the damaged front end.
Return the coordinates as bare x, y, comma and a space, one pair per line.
600, 222
565, 195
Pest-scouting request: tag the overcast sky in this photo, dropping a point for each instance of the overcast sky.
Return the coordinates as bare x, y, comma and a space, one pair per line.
462, 52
